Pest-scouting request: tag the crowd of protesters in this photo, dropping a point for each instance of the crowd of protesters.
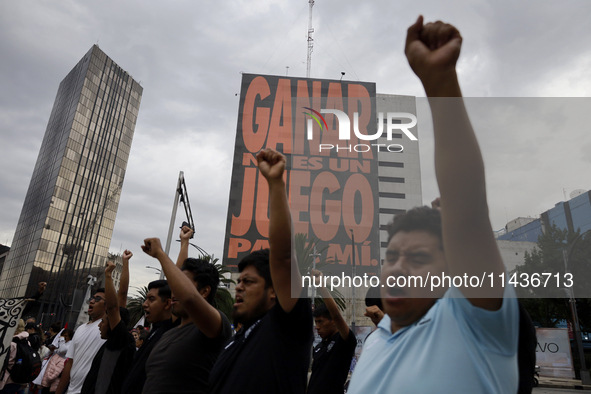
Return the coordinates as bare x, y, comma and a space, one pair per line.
456, 342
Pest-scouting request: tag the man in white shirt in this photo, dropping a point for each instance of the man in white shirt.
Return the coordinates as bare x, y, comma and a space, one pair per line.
85, 344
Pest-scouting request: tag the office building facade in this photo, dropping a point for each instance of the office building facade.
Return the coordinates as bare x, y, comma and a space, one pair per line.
65, 227
574, 215
399, 173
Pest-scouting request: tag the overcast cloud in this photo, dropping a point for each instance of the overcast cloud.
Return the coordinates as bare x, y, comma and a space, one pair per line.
188, 56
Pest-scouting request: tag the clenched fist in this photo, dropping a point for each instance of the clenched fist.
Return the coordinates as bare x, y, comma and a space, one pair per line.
127, 255
271, 164
433, 49
152, 247
109, 268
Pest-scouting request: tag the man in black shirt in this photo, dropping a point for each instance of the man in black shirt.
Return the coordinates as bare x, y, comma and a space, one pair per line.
158, 312
111, 363
332, 356
271, 352
183, 358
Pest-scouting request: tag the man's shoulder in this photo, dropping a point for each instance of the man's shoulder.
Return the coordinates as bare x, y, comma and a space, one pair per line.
160, 330
120, 338
226, 331
173, 331
456, 303
224, 335
351, 340
83, 331
121, 329
302, 308
89, 326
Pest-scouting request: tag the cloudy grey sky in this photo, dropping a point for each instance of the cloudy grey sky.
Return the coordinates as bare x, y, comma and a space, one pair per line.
188, 56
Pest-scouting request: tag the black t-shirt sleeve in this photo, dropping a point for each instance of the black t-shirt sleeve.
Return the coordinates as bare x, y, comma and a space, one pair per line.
351, 342
226, 329
298, 321
119, 337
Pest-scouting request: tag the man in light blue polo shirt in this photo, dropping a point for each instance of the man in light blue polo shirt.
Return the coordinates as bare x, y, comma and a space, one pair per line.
447, 339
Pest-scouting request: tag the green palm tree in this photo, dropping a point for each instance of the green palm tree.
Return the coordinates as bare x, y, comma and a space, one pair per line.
135, 305
304, 251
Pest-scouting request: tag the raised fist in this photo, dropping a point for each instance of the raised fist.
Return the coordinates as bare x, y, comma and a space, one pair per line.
436, 204
374, 313
109, 268
152, 246
271, 164
127, 255
317, 281
186, 233
433, 49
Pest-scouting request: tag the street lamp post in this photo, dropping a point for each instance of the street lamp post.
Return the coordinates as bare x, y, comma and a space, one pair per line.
566, 254
314, 256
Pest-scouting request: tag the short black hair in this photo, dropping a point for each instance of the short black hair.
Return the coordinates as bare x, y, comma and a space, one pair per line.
260, 261
56, 327
322, 311
373, 297
205, 274
163, 289
100, 290
417, 219
144, 335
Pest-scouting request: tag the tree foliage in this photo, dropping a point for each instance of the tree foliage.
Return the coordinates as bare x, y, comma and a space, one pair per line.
304, 251
549, 304
135, 305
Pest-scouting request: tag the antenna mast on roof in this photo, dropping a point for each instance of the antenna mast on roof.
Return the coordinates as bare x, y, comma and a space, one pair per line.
310, 39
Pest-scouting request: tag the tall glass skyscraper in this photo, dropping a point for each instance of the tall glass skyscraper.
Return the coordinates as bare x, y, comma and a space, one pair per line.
65, 227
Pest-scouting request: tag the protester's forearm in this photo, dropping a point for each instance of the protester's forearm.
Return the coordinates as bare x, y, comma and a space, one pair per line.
284, 272
205, 316
442, 84
30, 306
183, 253
280, 223
110, 293
331, 305
123, 284
458, 162
65, 378
335, 314
111, 302
468, 240
179, 283
459, 166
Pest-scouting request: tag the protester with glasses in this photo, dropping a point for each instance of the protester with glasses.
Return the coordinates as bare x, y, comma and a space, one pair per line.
87, 339
111, 363
85, 344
